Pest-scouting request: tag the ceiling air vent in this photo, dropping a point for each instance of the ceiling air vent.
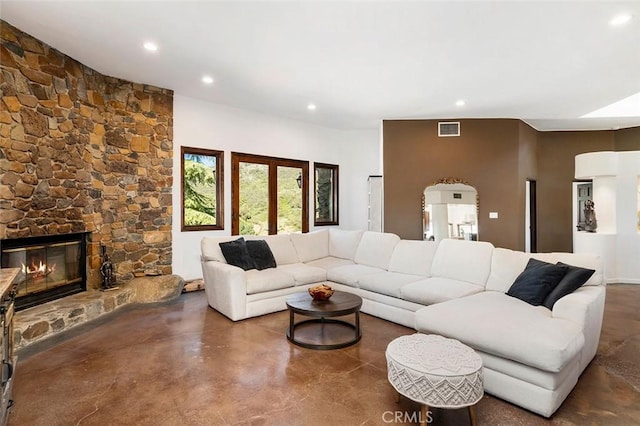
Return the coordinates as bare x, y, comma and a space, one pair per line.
449, 128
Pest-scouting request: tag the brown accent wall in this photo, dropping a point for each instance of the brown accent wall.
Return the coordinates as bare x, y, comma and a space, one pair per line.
556, 172
83, 152
628, 139
495, 156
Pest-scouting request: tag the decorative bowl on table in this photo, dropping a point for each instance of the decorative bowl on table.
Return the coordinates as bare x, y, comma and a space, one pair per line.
321, 292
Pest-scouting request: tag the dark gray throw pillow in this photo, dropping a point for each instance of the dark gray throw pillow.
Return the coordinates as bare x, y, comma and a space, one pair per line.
573, 280
235, 253
261, 254
537, 280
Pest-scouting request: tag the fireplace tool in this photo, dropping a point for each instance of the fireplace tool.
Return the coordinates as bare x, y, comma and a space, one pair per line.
107, 272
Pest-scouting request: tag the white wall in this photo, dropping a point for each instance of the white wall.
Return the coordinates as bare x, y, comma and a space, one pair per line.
628, 241
615, 197
203, 124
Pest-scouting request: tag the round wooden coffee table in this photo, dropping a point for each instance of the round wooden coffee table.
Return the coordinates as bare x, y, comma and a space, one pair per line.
340, 304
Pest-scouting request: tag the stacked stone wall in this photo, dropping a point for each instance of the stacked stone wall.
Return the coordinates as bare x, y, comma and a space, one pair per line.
84, 152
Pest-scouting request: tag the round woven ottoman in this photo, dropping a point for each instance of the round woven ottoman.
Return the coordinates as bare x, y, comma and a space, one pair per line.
435, 372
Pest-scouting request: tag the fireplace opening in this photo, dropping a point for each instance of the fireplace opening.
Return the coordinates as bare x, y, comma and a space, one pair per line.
51, 266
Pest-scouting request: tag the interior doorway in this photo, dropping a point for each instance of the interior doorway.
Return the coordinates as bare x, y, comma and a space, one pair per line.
531, 219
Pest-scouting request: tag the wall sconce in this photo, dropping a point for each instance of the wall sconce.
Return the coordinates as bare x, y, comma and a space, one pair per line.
299, 180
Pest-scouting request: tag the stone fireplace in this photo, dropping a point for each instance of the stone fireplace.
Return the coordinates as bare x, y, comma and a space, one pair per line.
51, 267
81, 152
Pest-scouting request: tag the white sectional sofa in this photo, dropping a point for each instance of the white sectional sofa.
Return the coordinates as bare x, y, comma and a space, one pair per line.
532, 356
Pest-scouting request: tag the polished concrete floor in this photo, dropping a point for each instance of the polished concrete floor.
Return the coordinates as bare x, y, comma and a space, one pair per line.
183, 363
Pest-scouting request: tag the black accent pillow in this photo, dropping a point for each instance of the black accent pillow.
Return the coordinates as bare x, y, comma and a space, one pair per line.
235, 253
261, 254
537, 280
573, 280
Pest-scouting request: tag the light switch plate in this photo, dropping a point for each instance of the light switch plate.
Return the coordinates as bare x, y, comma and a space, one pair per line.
493, 215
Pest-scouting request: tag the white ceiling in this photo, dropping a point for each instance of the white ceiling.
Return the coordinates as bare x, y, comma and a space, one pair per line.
547, 63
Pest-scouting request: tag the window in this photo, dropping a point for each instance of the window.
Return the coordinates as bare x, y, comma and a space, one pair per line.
326, 194
270, 195
202, 189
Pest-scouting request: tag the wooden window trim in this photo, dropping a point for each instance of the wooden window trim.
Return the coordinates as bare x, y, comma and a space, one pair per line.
273, 163
336, 219
219, 225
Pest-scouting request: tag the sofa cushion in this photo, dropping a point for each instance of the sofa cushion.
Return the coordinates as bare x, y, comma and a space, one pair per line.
582, 260
282, 248
375, 249
236, 253
312, 245
507, 264
261, 254
330, 262
463, 260
573, 279
413, 257
437, 289
344, 244
304, 274
386, 282
210, 247
537, 280
267, 280
350, 274
531, 335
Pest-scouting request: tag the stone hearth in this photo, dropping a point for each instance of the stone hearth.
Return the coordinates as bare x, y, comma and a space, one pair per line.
48, 319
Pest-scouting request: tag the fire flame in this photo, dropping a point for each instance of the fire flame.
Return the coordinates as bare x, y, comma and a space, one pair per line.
39, 270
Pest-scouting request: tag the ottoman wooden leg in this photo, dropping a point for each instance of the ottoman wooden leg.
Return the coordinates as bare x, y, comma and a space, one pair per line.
472, 415
397, 396
424, 413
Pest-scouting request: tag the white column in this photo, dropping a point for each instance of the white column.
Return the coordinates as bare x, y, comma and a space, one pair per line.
604, 199
440, 221
615, 195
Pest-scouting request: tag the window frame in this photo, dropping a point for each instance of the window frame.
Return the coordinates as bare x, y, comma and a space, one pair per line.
273, 163
219, 189
334, 194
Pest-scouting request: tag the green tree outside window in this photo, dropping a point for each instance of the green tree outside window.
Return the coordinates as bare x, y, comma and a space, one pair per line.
202, 200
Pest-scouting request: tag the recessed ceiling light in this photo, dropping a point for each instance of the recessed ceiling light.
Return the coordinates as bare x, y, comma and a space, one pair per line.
460, 103
207, 79
150, 46
620, 20
311, 107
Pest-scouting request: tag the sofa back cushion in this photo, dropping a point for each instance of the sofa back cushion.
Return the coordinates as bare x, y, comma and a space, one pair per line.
282, 248
311, 246
507, 264
413, 257
343, 244
210, 248
463, 260
375, 249
582, 260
